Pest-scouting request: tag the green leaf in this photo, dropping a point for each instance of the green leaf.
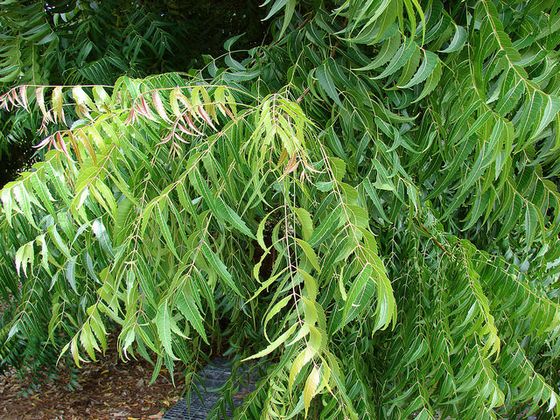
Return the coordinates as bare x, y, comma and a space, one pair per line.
301, 360
189, 309
326, 82
550, 112
56, 99
306, 222
325, 228
310, 254
399, 59
163, 325
338, 167
532, 221
217, 264
424, 71
218, 207
260, 232
24, 256
274, 345
388, 51
288, 14
458, 41
310, 388
360, 296
162, 222
431, 83
70, 272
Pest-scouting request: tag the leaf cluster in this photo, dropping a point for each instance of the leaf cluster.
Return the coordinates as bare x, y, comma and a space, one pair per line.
367, 207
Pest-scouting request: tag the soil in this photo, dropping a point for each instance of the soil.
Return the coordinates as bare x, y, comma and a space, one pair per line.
108, 389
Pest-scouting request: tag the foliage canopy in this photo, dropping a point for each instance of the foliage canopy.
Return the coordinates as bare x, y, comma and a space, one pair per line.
367, 206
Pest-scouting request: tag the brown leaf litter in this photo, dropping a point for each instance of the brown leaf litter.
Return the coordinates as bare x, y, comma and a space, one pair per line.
107, 389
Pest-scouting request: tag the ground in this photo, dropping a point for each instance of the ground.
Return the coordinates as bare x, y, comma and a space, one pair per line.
108, 389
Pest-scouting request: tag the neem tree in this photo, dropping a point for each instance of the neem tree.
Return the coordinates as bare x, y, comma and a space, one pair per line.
368, 207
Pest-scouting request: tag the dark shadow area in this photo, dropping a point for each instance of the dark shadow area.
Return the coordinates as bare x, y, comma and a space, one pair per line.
18, 157
208, 24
